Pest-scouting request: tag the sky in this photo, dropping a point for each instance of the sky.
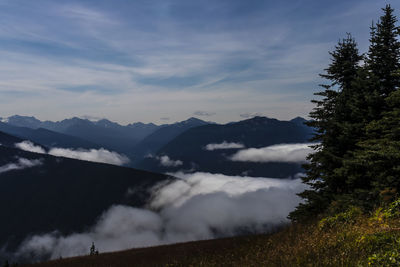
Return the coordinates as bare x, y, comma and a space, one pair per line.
168, 60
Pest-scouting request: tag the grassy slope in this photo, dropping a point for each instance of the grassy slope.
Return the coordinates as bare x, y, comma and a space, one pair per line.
347, 239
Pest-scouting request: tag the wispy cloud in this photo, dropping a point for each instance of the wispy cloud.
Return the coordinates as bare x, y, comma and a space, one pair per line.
86, 14
95, 155
275, 153
224, 145
29, 146
22, 163
168, 162
250, 115
203, 113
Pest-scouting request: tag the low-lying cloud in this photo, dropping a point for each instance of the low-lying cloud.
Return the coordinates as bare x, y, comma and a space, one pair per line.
277, 153
94, 155
250, 115
30, 147
168, 162
197, 206
224, 145
22, 163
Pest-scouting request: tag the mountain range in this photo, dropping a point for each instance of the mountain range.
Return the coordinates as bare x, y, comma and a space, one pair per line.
190, 148
181, 145
134, 139
46, 137
155, 141
104, 133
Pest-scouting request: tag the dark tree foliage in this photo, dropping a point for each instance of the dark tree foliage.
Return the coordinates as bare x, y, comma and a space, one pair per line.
331, 118
384, 52
373, 170
93, 250
357, 150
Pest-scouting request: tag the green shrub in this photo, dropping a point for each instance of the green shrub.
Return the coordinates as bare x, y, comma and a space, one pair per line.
387, 258
385, 248
348, 217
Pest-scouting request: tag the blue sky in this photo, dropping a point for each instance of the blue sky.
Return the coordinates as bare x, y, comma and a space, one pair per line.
167, 60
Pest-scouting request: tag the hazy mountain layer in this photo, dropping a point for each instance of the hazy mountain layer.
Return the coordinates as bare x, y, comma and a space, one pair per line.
46, 137
189, 150
152, 143
105, 133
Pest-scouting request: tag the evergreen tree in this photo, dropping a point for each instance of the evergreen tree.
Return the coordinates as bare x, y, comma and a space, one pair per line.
373, 170
384, 52
92, 249
330, 119
357, 160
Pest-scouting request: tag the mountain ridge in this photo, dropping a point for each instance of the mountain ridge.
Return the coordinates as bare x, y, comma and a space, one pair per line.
257, 132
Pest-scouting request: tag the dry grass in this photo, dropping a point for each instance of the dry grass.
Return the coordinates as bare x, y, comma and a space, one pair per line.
351, 239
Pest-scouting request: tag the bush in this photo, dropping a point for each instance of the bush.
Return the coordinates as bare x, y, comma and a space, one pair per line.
348, 217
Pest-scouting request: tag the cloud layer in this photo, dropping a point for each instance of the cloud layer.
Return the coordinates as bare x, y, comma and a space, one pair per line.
275, 153
22, 163
223, 145
29, 146
198, 206
94, 155
250, 115
168, 162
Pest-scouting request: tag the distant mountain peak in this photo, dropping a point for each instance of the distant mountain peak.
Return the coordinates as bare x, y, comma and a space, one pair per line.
141, 124
91, 118
23, 121
260, 119
106, 123
192, 119
74, 119
298, 120
19, 117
